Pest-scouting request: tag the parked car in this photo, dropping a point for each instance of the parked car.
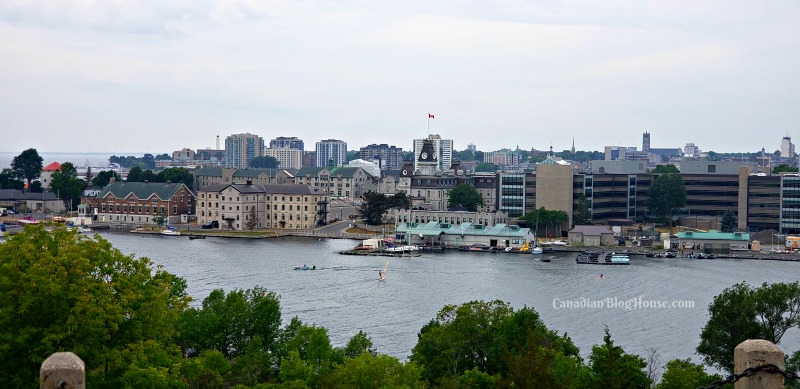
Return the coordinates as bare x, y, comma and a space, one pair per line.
211, 224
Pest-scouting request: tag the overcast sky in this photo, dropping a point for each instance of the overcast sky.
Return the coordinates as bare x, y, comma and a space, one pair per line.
158, 76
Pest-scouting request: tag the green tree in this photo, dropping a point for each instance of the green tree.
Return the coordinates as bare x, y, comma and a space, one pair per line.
353, 155
264, 162
359, 344
485, 167
683, 374
175, 174
583, 212
728, 223
610, 367
27, 165
80, 294
229, 323
311, 356
67, 185
667, 194
373, 207
368, 371
793, 364
89, 176
464, 195
160, 218
784, 168
548, 218
103, 178
10, 180
742, 312
666, 169
252, 219
134, 174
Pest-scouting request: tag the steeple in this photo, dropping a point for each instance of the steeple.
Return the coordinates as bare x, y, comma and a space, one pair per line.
551, 150
573, 145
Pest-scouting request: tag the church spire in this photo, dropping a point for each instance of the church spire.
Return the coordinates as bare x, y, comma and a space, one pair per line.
573, 145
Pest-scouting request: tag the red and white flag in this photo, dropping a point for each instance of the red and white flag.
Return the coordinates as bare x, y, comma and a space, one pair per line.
430, 116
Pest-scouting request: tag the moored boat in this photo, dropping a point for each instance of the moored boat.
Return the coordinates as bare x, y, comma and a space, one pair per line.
171, 231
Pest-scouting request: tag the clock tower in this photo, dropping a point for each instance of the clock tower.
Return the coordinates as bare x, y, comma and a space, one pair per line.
427, 162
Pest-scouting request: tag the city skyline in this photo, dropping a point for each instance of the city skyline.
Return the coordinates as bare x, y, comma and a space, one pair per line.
153, 78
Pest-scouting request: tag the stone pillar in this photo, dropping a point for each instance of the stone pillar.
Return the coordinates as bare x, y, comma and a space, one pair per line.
754, 353
62, 371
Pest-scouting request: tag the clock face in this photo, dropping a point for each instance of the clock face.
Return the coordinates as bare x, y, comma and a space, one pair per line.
424, 155
405, 172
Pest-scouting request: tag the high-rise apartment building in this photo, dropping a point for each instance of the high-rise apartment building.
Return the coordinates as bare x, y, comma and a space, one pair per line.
240, 149
390, 157
443, 149
283, 142
646, 142
787, 147
288, 158
331, 152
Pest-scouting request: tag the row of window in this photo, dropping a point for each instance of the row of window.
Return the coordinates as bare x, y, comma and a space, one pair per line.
145, 210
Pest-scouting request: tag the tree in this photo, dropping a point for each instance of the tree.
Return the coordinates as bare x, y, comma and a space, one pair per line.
375, 371
80, 294
67, 185
359, 344
666, 169
160, 218
229, 323
784, 168
373, 207
27, 165
104, 178
10, 180
667, 194
544, 217
264, 162
741, 312
728, 223
611, 367
252, 219
464, 195
485, 167
583, 213
177, 175
134, 174
683, 374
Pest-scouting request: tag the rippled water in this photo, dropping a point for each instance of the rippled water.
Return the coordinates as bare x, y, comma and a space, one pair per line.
345, 296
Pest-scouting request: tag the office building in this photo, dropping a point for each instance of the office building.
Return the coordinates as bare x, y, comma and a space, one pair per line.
389, 157
288, 158
283, 142
787, 147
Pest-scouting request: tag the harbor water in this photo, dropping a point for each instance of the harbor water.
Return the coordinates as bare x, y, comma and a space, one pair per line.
651, 303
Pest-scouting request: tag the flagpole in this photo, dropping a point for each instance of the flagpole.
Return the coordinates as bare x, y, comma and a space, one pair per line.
429, 124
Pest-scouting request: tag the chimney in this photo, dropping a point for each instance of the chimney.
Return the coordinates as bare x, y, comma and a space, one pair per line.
112, 179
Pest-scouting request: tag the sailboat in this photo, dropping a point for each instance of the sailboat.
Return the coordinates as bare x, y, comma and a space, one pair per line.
382, 273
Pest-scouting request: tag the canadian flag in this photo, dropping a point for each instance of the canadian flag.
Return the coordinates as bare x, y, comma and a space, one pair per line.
430, 116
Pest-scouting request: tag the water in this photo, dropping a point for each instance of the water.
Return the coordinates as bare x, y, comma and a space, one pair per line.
344, 295
77, 159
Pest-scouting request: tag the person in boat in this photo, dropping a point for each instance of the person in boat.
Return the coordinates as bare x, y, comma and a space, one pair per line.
314, 267
381, 274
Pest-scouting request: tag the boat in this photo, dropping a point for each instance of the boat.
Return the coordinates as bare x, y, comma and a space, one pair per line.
558, 243
28, 220
537, 250
171, 231
83, 230
545, 259
382, 273
305, 267
620, 258
401, 249
197, 236
478, 247
670, 255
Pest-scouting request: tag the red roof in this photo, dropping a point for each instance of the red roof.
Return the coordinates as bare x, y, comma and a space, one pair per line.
52, 167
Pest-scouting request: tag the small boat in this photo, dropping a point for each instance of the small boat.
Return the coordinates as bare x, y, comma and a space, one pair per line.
537, 250
171, 231
84, 230
197, 236
305, 267
28, 220
546, 259
670, 255
558, 243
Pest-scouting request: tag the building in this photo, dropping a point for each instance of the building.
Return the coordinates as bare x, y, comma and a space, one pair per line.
287, 158
466, 234
591, 236
283, 142
240, 149
442, 151
22, 202
309, 159
619, 167
46, 177
331, 152
511, 193
370, 167
205, 177
787, 148
646, 142
502, 158
136, 203
258, 206
390, 157
713, 242
184, 155
691, 150
344, 183
554, 186
421, 216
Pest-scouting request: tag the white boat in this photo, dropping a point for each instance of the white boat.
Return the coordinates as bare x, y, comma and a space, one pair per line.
536, 250
620, 258
84, 230
401, 249
170, 231
558, 243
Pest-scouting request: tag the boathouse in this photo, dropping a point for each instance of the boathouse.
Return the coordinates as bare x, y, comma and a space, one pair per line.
464, 234
713, 241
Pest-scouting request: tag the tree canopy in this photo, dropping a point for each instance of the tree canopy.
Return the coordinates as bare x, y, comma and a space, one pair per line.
540, 218
375, 205
464, 195
103, 178
784, 168
264, 162
664, 169
27, 165
583, 213
728, 222
67, 185
666, 194
742, 312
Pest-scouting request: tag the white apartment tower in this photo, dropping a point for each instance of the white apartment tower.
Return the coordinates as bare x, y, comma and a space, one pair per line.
288, 158
331, 152
240, 149
443, 149
787, 147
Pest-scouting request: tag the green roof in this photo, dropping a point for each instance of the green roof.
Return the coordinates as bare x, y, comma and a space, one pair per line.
714, 235
255, 172
141, 190
208, 171
344, 171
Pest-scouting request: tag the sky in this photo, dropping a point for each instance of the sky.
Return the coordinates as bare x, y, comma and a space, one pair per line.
157, 76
